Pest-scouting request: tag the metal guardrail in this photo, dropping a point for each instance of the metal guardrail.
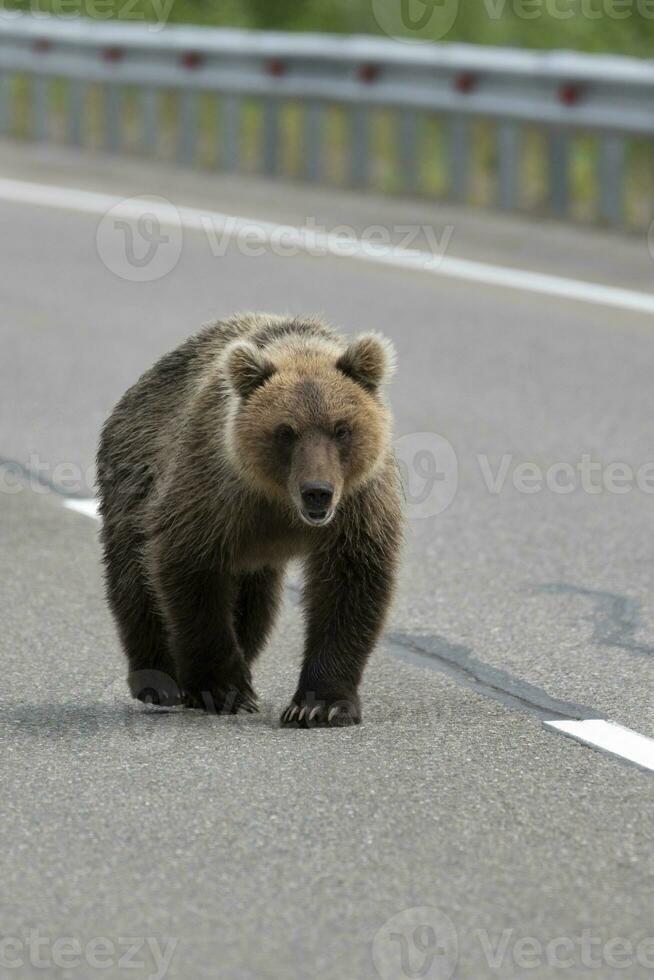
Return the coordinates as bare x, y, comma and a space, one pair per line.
562, 93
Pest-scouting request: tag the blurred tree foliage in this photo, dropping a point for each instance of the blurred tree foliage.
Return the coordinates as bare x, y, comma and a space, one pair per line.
624, 26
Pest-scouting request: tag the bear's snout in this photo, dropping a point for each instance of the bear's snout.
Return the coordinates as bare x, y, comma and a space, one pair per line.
317, 500
315, 481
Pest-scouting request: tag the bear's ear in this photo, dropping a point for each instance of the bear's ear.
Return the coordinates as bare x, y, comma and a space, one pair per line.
246, 367
369, 360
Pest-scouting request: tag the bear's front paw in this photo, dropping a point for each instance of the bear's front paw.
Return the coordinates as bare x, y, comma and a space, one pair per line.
309, 711
225, 700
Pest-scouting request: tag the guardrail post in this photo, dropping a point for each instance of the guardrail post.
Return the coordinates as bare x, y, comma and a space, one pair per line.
407, 142
270, 127
113, 117
40, 90
508, 162
313, 140
76, 97
359, 145
610, 172
150, 119
558, 175
187, 126
458, 138
230, 132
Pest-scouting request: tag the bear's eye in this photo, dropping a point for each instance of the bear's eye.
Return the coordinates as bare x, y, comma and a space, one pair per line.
285, 435
342, 432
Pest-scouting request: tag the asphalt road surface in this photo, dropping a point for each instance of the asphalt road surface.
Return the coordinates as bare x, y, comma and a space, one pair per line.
453, 833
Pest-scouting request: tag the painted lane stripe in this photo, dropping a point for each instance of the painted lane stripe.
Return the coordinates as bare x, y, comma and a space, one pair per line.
497, 685
90, 508
609, 737
313, 242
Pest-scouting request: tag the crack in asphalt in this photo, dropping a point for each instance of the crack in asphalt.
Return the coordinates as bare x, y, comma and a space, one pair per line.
458, 662
615, 618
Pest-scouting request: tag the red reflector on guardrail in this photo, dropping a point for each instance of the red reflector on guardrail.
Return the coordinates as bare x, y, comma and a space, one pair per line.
368, 73
41, 45
112, 54
569, 94
276, 68
464, 82
191, 59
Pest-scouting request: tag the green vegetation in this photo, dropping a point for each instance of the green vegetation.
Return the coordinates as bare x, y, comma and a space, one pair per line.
624, 26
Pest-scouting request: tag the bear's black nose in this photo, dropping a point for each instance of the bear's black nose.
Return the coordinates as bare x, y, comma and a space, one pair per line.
317, 497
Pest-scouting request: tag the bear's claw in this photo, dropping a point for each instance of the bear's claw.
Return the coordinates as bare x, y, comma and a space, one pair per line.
321, 715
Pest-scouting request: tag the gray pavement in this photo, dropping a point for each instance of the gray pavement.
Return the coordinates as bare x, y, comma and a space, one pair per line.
266, 853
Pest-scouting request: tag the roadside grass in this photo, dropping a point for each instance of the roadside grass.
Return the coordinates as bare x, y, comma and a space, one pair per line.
617, 26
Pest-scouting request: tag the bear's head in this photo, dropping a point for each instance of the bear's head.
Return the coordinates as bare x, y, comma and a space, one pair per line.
307, 420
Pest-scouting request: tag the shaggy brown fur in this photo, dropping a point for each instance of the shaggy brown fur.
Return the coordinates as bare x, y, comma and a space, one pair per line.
259, 440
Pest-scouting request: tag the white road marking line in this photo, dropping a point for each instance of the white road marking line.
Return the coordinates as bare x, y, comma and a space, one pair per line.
606, 735
610, 737
310, 241
89, 508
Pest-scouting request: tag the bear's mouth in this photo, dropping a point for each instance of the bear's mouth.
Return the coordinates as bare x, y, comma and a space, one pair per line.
317, 518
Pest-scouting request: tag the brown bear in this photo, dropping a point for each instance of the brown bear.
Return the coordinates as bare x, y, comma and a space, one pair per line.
259, 440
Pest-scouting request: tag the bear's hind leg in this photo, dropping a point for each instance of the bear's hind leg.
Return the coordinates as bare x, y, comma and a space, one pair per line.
257, 602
